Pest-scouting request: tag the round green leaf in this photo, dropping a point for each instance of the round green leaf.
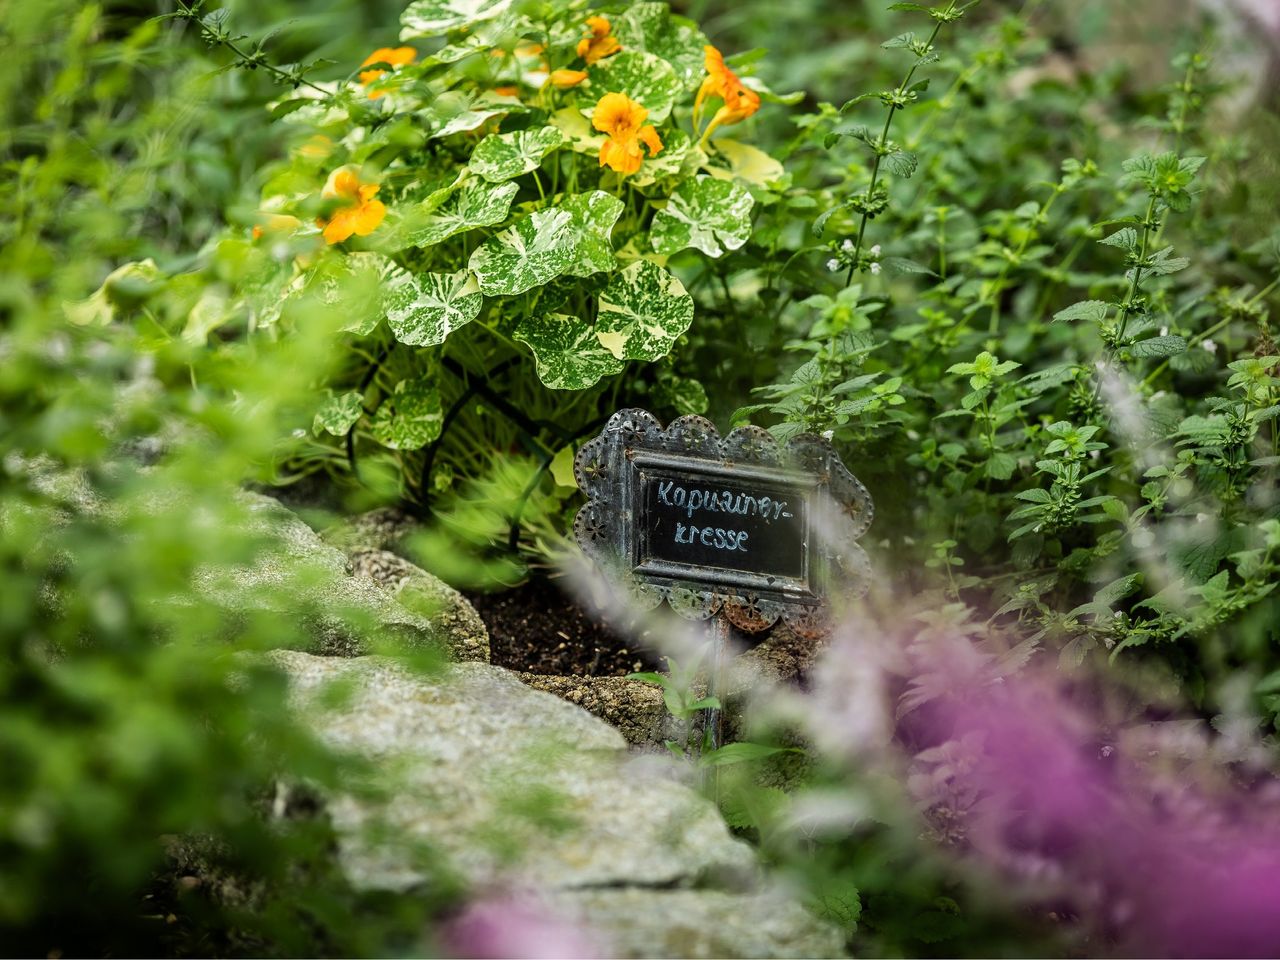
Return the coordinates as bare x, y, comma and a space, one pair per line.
423, 310
477, 203
430, 18
338, 414
642, 312
708, 214
566, 351
647, 79
573, 238
410, 418
503, 156
652, 27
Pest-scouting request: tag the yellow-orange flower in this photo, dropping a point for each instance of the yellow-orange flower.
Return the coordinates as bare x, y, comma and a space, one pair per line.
740, 102
600, 43
361, 215
566, 78
508, 90
395, 56
623, 120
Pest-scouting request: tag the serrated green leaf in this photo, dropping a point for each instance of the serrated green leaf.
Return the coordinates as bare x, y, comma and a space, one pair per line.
423, 309
1095, 310
652, 28
1166, 346
566, 351
477, 203
503, 156
705, 213
642, 312
410, 418
645, 78
687, 396
430, 18
337, 413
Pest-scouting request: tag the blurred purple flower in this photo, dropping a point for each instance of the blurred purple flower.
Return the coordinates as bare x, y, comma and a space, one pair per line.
514, 926
1179, 869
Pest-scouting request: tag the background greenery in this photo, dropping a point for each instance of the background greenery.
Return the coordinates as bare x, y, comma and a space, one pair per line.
125, 138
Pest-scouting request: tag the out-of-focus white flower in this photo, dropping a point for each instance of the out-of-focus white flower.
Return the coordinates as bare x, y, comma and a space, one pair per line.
833, 265
847, 246
875, 269
875, 251
1210, 346
828, 434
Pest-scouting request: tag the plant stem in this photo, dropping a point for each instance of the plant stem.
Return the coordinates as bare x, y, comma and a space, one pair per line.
880, 146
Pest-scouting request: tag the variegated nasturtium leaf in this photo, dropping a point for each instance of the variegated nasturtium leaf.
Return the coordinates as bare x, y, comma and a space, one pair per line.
457, 111
423, 309
642, 312
745, 162
504, 156
645, 78
351, 287
652, 27
430, 18
525, 255
707, 214
410, 418
581, 136
477, 203
680, 157
570, 239
566, 351
338, 413
594, 216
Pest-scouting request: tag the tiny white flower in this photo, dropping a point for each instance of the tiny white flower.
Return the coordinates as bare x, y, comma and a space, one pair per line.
1201, 517
1094, 454
1164, 331
828, 434
875, 251
847, 246
833, 265
1210, 346
875, 269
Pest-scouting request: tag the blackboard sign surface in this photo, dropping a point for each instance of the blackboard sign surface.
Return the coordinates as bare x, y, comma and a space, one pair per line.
738, 524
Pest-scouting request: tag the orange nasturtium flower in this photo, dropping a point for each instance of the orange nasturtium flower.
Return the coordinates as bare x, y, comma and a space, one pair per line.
564, 79
740, 102
623, 120
600, 43
396, 56
361, 215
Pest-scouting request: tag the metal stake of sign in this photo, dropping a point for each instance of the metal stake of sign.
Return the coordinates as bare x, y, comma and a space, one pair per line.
740, 530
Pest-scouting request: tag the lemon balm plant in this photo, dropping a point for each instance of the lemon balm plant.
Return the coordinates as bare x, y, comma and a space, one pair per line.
492, 205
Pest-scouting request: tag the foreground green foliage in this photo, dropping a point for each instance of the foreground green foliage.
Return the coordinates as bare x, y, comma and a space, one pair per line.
1029, 296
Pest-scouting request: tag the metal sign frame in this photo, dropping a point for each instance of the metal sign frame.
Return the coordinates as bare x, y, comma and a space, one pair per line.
633, 449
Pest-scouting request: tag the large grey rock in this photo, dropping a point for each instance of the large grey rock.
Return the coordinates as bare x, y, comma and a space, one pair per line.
696, 924
346, 615
503, 783
634, 707
428, 596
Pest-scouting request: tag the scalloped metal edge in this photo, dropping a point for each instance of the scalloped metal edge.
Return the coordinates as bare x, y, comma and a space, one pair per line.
597, 521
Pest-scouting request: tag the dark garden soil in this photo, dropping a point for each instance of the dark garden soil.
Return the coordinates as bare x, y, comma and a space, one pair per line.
538, 628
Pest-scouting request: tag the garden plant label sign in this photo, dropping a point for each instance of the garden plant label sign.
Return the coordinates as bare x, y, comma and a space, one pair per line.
741, 525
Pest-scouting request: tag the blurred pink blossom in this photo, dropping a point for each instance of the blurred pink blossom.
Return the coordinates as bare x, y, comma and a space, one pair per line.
514, 926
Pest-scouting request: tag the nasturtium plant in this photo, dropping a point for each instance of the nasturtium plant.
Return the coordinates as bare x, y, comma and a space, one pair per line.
516, 191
